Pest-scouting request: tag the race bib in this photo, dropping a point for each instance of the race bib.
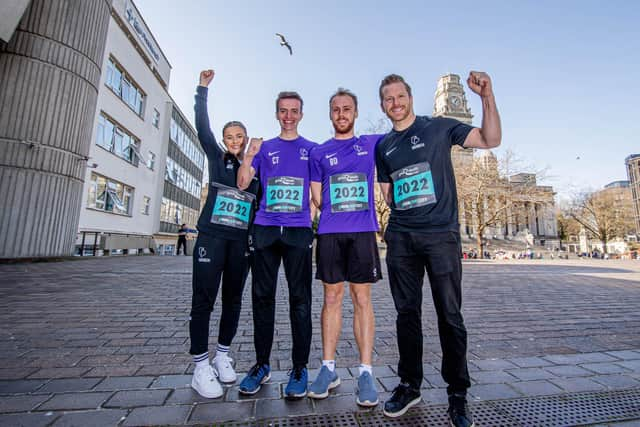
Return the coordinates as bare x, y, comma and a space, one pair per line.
284, 194
413, 186
349, 192
232, 207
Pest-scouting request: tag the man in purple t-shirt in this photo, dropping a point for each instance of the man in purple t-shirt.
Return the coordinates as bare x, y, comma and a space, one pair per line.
342, 171
281, 232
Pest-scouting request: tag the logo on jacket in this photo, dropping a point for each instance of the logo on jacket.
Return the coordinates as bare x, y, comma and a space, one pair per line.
202, 253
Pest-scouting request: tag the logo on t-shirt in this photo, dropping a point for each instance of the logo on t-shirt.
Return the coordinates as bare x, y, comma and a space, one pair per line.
415, 142
358, 149
304, 154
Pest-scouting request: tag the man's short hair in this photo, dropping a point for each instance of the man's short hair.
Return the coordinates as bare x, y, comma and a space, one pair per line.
344, 92
393, 78
288, 95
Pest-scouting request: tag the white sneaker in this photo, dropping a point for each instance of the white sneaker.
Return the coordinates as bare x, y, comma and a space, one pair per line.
204, 381
224, 369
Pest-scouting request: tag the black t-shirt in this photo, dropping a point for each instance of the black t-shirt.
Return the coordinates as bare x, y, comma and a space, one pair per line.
230, 208
417, 164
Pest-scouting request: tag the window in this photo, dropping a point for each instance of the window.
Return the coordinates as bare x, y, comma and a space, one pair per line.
118, 141
182, 179
109, 195
122, 85
151, 162
186, 144
175, 213
156, 118
146, 204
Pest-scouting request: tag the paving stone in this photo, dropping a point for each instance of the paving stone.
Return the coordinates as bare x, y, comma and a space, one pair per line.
133, 398
20, 403
624, 354
536, 388
69, 384
156, 370
338, 404
492, 377
494, 364
578, 384
20, 386
605, 368
267, 391
568, 371
435, 396
157, 415
172, 381
188, 396
27, 419
210, 413
112, 371
283, 408
434, 380
492, 392
633, 365
530, 362
616, 381
527, 374
16, 374
98, 418
70, 401
59, 373
124, 383
576, 359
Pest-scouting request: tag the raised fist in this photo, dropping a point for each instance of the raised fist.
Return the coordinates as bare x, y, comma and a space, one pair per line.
254, 147
480, 83
205, 77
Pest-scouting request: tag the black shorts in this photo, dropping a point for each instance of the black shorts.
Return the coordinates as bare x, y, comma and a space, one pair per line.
351, 257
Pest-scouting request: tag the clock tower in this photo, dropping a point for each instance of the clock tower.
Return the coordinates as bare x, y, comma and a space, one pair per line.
450, 100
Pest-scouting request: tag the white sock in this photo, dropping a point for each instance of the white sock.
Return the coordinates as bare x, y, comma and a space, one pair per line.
201, 359
222, 350
365, 368
331, 364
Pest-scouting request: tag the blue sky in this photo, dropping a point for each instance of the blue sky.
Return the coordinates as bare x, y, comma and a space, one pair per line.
566, 74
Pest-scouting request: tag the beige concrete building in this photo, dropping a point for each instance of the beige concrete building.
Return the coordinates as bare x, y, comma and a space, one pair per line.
522, 208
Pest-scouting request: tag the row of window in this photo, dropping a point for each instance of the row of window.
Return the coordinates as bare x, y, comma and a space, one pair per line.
118, 141
178, 176
176, 213
108, 195
186, 144
120, 82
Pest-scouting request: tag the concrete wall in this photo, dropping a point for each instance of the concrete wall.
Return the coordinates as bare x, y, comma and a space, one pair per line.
49, 76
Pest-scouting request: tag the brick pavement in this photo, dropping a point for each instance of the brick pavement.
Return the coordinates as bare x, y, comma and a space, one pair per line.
104, 341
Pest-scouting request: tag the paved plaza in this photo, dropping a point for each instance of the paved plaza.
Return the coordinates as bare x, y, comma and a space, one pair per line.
104, 341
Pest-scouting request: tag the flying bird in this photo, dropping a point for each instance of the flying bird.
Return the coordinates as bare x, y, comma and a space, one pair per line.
284, 42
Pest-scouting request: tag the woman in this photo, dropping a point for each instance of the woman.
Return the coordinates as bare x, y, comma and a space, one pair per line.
221, 249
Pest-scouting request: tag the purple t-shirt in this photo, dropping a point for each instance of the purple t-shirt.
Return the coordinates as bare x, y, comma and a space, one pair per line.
283, 168
345, 167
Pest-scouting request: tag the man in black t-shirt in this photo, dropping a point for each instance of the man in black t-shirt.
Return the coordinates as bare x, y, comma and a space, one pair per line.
417, 180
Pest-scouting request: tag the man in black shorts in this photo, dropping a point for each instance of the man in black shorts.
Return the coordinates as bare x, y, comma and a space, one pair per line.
417, 180
342, 171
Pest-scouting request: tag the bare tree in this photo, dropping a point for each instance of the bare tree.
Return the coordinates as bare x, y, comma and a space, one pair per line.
605, 214
493, 193
380, 126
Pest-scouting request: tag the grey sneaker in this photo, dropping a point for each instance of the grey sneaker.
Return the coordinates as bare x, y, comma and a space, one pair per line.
367, 393
325, 381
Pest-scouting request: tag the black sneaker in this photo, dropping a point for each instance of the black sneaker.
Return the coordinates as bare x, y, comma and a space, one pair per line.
459, 413
403, 398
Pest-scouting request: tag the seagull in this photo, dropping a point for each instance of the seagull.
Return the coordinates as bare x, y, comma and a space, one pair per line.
284, 42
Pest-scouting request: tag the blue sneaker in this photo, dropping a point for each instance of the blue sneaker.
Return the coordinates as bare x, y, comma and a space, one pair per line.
367, 393
257, 375
325, 381
297, 386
